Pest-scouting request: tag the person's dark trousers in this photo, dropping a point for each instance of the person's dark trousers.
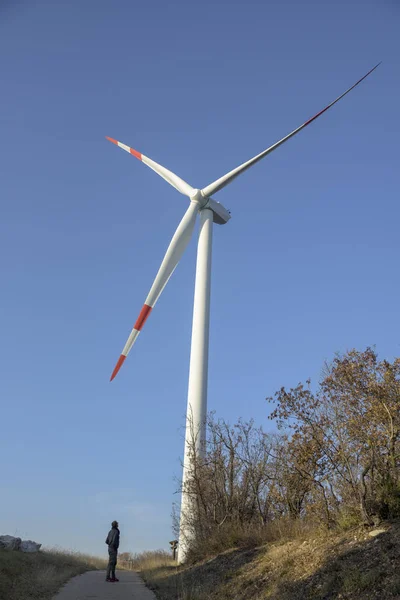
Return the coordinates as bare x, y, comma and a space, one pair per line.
112, 563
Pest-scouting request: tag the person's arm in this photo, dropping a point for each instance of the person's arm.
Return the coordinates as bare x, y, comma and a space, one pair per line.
113, 539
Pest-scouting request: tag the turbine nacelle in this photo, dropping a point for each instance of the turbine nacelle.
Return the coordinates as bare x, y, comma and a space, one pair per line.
221, 214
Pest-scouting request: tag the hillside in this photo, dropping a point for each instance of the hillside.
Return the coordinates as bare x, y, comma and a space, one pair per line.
356, 565
38, 576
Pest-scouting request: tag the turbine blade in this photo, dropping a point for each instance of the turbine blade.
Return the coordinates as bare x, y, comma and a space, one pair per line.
178, 183
171, 259
223, 181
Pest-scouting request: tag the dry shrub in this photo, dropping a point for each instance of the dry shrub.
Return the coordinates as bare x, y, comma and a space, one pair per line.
155, 559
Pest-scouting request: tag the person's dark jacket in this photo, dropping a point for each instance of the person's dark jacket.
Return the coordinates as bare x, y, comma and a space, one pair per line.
113, 538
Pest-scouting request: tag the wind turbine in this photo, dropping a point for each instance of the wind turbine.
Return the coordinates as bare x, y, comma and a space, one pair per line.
211, 211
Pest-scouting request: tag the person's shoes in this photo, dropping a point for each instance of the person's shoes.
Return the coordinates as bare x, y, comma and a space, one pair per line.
109, 579
114, 579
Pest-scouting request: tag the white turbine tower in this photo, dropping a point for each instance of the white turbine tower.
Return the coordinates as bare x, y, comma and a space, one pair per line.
210, 212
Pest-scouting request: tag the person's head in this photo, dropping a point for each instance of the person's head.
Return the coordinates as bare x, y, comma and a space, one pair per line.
114, 524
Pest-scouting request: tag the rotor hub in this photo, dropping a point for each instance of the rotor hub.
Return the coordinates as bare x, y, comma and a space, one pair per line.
198, 197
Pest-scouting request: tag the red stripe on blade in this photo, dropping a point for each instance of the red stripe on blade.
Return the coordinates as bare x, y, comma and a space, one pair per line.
141, 320
111, 140
118, 366
317, 115
136, 153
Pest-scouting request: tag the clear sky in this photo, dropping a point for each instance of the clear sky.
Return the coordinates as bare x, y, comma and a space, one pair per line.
307, 266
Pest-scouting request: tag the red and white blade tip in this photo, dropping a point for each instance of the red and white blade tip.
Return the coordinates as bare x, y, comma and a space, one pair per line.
118, 366
132, 151
137, 328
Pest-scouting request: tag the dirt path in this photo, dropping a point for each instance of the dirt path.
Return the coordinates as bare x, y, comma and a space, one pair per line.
92, 586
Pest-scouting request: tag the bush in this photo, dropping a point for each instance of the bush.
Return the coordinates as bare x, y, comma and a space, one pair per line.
347, 519
388, 502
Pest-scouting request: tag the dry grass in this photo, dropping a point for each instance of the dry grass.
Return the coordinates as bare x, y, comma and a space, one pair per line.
156, 565
148, 561
252, 536
38, 576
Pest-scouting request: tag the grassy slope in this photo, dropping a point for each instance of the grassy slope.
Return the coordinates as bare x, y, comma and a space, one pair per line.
39, 575
351, 566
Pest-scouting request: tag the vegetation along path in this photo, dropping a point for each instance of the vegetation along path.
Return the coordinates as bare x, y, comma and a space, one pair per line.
92, 586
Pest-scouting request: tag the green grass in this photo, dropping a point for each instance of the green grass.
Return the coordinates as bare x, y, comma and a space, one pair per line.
357, 580
40, 575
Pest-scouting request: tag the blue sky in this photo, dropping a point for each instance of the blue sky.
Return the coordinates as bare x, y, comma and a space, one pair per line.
307, 266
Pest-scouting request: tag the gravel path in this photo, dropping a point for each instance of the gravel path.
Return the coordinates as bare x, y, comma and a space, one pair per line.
92, 586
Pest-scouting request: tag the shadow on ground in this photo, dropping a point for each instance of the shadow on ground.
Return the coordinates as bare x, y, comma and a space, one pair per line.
202, 580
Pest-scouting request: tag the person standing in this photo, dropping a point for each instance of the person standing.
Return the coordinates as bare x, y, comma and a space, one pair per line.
113, 544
